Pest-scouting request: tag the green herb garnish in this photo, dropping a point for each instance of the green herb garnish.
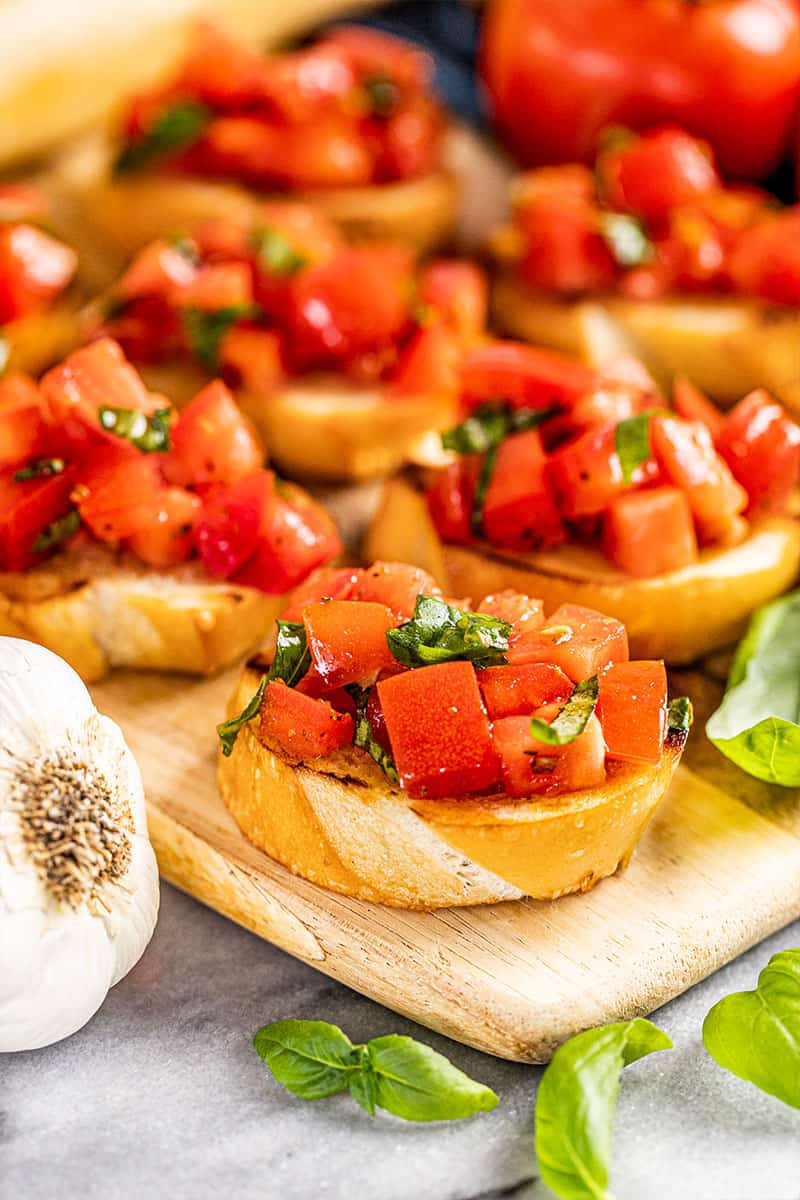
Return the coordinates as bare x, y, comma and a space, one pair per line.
205, 329
313, 1059
275, 253
58, 532
572, 718
228, 731
364, 737
383, 95
438, 632
175, 129
41, 468
150, 434
292, 655
627, 239
680, 715
632, 443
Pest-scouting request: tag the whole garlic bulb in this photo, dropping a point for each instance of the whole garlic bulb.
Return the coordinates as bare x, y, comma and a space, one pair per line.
78, 877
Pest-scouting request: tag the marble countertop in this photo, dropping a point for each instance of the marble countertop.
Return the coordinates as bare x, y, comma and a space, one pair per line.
162, 1095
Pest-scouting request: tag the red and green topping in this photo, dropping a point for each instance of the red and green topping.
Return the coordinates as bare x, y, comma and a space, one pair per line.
89, 453
284, 294
450, 701
653, 217
552, 451
35, 268
353, 109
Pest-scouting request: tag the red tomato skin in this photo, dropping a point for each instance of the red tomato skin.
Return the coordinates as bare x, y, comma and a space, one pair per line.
692, 405
295, 536
228, 530
519, 511
521, 611
395, 585
347, 640
459, 292
213, 441
685, 452
632, 708
650, 532
558, 74
564, 248
168, 539
765, 260
586, 474
453, 754
761, 445
524, 376
157, 270
303, 727
34, 270
325, 583
26, 510
450, 499
252, 358
216, 285
23, 434
512, 691
573, 767
116, 491
428, 363
578, 640
654, 174
96, 376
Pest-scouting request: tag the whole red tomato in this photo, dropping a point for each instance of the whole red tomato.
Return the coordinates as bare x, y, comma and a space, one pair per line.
558, 71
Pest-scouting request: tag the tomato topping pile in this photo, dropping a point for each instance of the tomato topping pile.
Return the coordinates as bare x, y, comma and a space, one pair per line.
285, 294
90, 453
450, 701
35, 268
652, 218
552, 451
352, 109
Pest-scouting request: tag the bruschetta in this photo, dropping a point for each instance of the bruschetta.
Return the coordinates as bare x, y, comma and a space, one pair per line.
345, 357
349, 123
131, 536
573, 484
696, 277
393, 746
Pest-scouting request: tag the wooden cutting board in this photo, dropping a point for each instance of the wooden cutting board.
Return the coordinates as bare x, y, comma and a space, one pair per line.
718, 870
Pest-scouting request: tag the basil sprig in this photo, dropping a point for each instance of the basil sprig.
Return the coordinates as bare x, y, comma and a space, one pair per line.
576, 1101
41, 468
627, 239
632, 443
205, 329
757, 725
313, 1059
364, 737
57, 532
175, 129
438, 633
275, 253
228, 731
290, 663
150, 434
572, 718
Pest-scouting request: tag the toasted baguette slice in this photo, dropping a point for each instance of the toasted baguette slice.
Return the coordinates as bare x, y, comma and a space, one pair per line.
34, 343
678, 617
100, 610
338, 822
726, 346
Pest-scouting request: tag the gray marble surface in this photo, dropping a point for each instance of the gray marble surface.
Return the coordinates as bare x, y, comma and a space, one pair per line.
161, 1095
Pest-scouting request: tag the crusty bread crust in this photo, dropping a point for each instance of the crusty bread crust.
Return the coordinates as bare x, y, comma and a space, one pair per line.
338, 822
678, 617
100, 610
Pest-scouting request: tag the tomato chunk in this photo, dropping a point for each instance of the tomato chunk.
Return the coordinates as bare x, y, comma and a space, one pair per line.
761, 445
97, 376
326, 583
524, 376
26, 510
692, 405
452, 753
347, 640
302, 726
650, 532
213, 441
565, 250
115, 495
450, 499
578, 640
34, 269
216, 286
22, 428
532, 768
686, 455
459, 292
168, 539
157, 270
513, 690
519, 511
652, 175
428, 364
396, 585
586, 474
632, 708
519, 610
295, 536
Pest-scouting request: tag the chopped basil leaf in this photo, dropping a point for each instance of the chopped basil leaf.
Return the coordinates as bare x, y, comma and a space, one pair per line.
383, 95
40, 468
175, 129
150, 434
292, 656
680, 714
440, 633
58, 532
632, 443
573, 716
228, 731
205, 330
364, 737
275, 253
626, 238
481, 488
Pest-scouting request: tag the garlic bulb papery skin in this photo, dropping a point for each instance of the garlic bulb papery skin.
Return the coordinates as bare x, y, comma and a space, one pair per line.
78, 876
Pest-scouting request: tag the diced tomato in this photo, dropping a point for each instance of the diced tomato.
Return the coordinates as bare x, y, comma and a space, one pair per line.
761, 445
518, 609
22, 427
396, 585
213, 441
94, 377
650, 532
158, 270
215, 286
308, 230
371, 52
586, 474
578, 640
428, 363
632, 707
251, 358
34, 269
565, 250
438, 730
524, 376
219, 70
116, 493
652, 175
459, 292
326, 583
533, 768
411, 141
519, 511
765, 260
511, 690
450, 499
686, 455
302, 726
26, 510
228, 531
168, 538
692, 405
347, 640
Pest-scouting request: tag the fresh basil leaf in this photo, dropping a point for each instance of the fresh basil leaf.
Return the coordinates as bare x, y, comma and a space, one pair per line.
40, 468
757, 725
438, 632
150, 434
576, 1102
58, 532
228, 731
383, 95
364, 1084
632, 443
175, 129
680, 715
292, 655
481, 488
275, 253
488, 424
626, 238
572, 718
756, 1035
311, 1059
205, 329
365, 739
